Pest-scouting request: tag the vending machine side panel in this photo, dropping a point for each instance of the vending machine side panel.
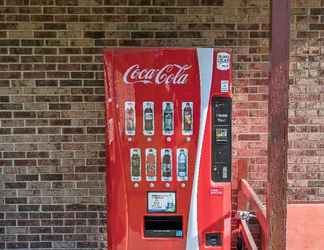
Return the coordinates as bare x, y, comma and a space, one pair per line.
214, 189
115, 176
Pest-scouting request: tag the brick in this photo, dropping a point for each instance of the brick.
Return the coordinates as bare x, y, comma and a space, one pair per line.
32, 59
15, 200
59, 106
15, 185
16, 216
317, 11
24, 114
24, 131
42, 18
188, 2
9, 42
66, 2
48, 83
38, 154
28, 208
52, 208
69, 51
25, 163
5, 114
87, 244
94, 34
27, 223
73, 131
27, 177
51, 177
55, 26
16, 245
54, 10
9, 59
70, 98
49, 130
32, 43
163, 18
64, 230
316, 26
83, 75
28, 237
115, 2
5, 131
45, 51
213, 2
55, 237
14, 155
76, 207
95, 130
40, 230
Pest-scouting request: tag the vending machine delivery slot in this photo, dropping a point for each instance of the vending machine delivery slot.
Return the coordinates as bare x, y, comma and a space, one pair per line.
163, 226
168, 130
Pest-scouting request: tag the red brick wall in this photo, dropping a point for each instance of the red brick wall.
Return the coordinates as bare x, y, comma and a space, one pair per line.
51, 102
306, 113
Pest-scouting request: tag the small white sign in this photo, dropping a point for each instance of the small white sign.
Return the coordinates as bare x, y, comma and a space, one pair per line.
161, 202
223, 61
224, 86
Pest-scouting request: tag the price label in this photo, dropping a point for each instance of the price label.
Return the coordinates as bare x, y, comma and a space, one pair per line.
161, 202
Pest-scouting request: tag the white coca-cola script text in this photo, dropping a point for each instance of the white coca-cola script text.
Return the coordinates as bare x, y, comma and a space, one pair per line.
168, 74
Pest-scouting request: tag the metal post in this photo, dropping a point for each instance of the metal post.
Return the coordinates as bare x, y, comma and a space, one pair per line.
278, 125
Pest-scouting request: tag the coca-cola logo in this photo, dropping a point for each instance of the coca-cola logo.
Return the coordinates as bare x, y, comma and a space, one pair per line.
168, 74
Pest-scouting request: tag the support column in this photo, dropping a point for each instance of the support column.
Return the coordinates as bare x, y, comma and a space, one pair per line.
278, 124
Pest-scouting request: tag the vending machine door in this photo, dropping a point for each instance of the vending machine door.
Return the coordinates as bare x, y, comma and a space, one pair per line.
168, 146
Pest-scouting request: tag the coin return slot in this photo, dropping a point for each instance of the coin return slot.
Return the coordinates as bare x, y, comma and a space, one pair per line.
163, 226
213, 239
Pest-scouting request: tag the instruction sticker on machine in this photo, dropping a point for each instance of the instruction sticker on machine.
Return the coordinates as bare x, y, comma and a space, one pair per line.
161, 202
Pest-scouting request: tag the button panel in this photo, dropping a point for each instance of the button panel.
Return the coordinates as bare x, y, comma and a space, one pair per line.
221, 139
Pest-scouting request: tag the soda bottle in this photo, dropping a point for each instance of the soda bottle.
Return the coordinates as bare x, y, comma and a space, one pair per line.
136, 165
130, 120
182, 165
150, 165
166, 165
168, 119
148, 119
187, 118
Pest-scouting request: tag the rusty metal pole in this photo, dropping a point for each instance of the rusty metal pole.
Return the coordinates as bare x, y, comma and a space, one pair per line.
278, 124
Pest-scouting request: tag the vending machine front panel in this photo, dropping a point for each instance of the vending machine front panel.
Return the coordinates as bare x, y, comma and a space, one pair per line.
168, 145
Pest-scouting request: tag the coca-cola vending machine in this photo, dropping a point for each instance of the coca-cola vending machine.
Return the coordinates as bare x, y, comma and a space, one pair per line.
168, 134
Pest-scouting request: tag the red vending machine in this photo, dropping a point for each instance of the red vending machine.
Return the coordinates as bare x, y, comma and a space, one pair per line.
168, 127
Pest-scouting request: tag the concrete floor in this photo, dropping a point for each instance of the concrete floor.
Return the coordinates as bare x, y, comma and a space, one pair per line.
305, 227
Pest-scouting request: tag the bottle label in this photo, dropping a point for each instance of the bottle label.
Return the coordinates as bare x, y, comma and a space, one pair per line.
150, 164
167, 118
148, 118
135, 164
130, 118
187, 118
182, 164
166, 164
